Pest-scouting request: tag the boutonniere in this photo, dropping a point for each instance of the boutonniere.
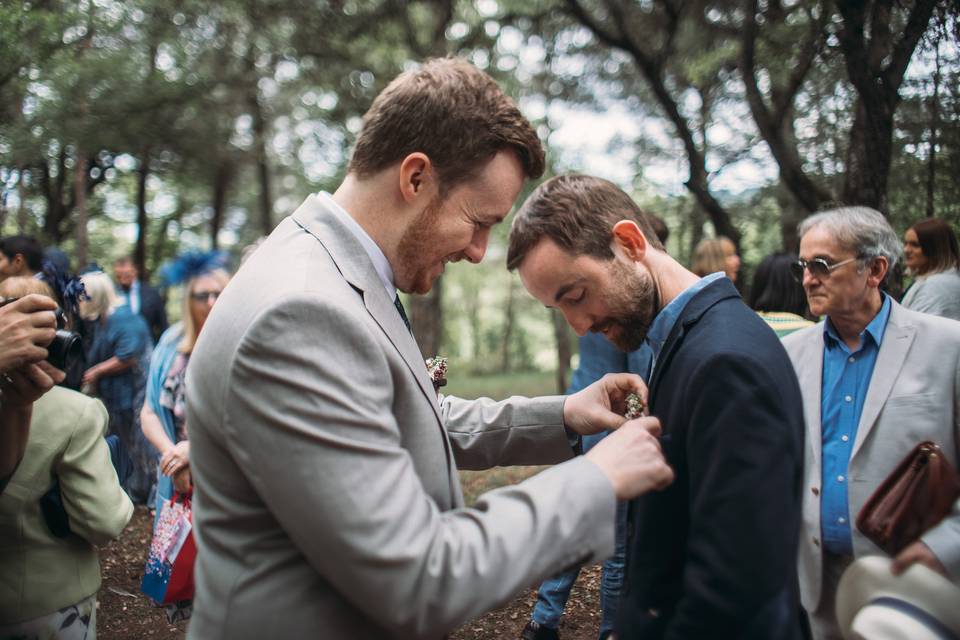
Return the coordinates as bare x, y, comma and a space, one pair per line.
437, 368
635, 407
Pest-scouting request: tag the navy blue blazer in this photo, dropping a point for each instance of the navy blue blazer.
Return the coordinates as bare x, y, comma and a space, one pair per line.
153, 311
714, 555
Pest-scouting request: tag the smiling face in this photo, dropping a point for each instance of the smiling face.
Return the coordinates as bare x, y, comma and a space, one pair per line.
914, 258
612, 297
848, 289
458, 226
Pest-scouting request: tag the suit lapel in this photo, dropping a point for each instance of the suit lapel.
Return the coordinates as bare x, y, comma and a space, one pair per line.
897, 338
354, 263
809, 370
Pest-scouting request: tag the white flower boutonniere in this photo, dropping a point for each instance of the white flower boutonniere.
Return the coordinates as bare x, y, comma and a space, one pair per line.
437, 368
635, 407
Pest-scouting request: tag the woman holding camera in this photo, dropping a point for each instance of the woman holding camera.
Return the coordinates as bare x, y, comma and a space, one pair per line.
49, 568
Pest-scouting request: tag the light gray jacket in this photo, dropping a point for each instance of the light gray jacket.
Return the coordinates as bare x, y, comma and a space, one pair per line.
914, 395
327, 498
938, 294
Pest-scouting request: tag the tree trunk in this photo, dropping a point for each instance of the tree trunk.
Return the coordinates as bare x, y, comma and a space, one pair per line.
21, 205
140, 248
264, 197
509, 318
221, 184
561, 333
80, 198
426, 318
934, 130
868, 159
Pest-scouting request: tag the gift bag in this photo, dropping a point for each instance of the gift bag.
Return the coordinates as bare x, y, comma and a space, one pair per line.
168, 575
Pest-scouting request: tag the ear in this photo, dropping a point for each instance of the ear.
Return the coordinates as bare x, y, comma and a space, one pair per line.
416, 177
18, 261
628, 241
877, 270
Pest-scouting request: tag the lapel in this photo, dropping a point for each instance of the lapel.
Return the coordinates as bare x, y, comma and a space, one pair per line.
355, 266
809, 369
722, 289
897, 338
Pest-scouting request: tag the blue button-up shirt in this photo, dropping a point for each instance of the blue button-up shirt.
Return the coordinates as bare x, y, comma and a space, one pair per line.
846, 378
663, 323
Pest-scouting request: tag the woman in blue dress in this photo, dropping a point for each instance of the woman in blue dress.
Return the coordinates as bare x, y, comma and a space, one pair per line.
117, 361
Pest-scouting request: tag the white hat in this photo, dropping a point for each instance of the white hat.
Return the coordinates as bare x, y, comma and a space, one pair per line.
874, 604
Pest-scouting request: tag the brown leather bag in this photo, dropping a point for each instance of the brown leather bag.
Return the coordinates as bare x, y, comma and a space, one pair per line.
915, 497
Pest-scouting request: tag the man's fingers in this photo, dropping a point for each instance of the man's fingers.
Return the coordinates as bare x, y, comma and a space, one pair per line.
34, 302
55, 374
652, 425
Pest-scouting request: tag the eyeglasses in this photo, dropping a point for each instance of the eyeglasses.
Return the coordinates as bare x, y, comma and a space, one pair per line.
203, 296
818, 267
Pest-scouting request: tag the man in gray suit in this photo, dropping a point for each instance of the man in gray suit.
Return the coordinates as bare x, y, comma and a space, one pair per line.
327, 501
877, 379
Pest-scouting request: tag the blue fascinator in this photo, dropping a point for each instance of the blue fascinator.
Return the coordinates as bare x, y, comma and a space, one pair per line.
190, 265
69, 289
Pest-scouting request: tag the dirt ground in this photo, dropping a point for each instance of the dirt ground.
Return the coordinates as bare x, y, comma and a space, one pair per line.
125, 613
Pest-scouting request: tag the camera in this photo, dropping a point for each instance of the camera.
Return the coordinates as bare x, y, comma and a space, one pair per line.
66, 350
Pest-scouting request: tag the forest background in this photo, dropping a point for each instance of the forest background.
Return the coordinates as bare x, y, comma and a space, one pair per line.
148, 127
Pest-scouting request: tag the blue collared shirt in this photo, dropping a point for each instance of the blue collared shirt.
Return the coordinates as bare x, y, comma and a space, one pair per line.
663, 323
846, 378
132, 296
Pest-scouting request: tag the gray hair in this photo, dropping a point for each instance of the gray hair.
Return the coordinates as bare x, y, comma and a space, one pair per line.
861, 229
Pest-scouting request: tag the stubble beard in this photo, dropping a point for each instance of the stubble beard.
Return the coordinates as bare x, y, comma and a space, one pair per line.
633, 304
411, 274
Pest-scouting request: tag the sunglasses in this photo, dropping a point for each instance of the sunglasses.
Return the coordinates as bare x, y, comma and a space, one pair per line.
818, 267
203, 296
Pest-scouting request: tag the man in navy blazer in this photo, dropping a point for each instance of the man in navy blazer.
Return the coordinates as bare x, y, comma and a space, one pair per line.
712, 556
141, 297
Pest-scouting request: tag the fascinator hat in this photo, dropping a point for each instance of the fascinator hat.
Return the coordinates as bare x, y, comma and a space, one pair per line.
68, 289
191, 264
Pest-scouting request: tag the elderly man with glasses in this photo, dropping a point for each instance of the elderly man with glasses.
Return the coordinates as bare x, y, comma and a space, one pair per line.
877, 379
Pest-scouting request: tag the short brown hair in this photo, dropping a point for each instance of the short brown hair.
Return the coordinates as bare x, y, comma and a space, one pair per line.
455, 114
578, 213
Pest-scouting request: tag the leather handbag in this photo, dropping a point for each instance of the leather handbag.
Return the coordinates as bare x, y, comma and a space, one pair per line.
915, 497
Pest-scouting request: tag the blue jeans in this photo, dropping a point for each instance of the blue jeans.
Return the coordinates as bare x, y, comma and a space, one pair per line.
553, 593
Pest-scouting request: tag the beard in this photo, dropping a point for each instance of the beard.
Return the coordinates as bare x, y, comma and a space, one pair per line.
633, 302
412, 271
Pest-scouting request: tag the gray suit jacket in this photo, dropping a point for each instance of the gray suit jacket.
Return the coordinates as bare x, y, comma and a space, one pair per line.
914, 395
327, 499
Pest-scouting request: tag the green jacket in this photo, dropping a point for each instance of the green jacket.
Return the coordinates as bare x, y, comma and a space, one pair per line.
40, 573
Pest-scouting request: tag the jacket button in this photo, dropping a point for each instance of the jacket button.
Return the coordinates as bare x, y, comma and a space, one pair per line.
816, 542
815, 491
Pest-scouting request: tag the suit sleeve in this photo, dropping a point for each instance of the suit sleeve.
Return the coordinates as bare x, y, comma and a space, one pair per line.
96, 504
743, 452
944, 539
485, 433
343, 486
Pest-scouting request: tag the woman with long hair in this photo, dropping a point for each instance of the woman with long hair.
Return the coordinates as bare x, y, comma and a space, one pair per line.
931, 254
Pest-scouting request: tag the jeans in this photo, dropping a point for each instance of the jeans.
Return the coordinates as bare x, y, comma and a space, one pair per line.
553, 593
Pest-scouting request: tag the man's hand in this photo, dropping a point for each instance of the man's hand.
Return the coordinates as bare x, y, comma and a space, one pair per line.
27, 326
90, 377
24, 386
917, 552
632, 459
601, 406
176, 458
